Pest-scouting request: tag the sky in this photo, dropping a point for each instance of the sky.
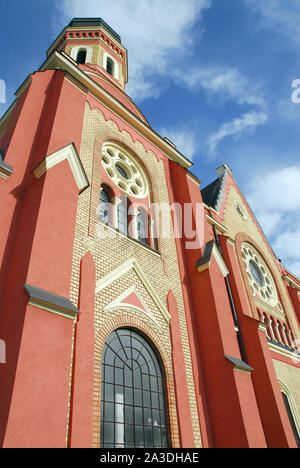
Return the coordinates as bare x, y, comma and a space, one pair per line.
219, 78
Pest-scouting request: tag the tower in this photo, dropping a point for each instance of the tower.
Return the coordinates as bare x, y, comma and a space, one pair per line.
96, 48
123, 326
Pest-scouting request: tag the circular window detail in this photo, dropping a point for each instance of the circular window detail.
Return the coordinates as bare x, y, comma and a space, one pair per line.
124, 171
241, 210
260, 278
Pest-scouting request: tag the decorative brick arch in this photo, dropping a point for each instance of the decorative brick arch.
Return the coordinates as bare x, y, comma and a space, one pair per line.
127, 321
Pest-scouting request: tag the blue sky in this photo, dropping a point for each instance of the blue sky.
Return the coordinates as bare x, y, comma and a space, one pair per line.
214, 76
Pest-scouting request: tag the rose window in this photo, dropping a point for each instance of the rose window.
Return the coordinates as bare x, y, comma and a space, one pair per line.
124, 171
260, 278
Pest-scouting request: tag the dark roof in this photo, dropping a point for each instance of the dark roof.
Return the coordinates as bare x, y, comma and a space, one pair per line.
211, 192
84, 22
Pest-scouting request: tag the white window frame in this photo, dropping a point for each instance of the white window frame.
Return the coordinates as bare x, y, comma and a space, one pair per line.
89, 52
116, 65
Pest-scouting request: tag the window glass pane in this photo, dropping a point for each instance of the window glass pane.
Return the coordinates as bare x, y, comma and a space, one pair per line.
146, 382
123, 217
142, 228
155, 400
110, 66
147, 399
108, 432
109, 392
154, 386
109, 374
109, 356
139, 435
109, 412
138, 416
118, 376
128, 396
128, 376
157, 437
104, 206
147, 417
129, 414
81, 56
129, 434
138, 397
137, 378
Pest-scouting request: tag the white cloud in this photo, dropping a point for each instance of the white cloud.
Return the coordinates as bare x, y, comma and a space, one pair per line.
244, 124
154, 31
184, 139
227, 82
282, 16
278, 190
274, 198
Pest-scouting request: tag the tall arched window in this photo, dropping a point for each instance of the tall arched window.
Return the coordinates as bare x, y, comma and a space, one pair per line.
81, 56
291, 418
123, 215
133, 399
105, 206
142, 227
110, 66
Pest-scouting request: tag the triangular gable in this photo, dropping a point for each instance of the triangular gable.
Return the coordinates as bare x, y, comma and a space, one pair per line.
226, 179
130, 299
126, 267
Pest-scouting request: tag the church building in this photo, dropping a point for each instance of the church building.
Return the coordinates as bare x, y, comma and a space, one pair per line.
137, 309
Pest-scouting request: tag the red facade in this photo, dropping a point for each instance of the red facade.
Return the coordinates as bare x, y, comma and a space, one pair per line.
242, 349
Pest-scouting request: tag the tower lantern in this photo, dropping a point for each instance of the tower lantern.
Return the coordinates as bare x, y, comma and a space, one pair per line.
96, 47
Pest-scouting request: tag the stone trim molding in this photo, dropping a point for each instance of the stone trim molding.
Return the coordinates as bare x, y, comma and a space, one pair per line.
51, 302
71, 155
238, 364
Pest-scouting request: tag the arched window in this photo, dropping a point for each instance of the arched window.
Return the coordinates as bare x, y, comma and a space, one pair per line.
142, 227
132, 394
291, 418
81, 56
110, 66
105, 206
123, 215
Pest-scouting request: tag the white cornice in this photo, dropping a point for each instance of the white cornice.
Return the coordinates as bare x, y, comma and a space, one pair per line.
289, 280
218, 225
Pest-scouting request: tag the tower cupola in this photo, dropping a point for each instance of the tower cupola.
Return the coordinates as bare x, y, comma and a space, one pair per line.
96, 47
